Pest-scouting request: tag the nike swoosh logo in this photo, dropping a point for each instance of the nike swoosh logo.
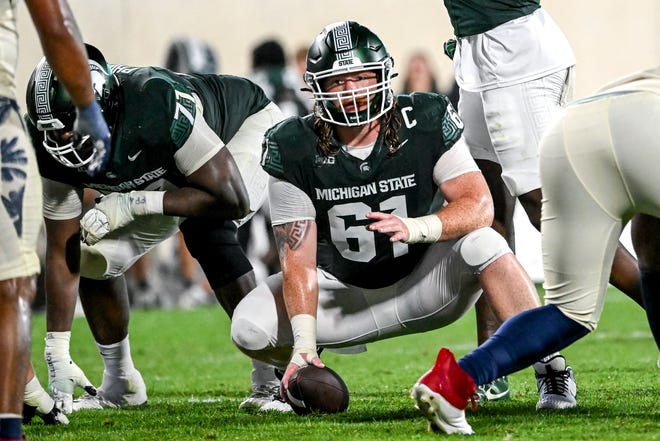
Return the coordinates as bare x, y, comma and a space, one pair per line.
403, 143
134, 157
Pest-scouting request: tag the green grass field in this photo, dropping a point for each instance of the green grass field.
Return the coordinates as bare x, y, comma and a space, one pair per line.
196, 380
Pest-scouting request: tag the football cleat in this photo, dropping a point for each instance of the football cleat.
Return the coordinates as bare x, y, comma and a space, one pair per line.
265, 398
498, 389
128, 391
556, 384
442, 395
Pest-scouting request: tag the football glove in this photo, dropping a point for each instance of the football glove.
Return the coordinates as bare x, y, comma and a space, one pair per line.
63, 374
53, 417
36, 401
116, 210
90, 128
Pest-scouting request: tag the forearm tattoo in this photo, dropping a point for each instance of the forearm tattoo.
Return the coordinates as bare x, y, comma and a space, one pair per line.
292, 234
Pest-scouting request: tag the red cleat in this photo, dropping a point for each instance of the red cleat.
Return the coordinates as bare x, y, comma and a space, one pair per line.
442, 395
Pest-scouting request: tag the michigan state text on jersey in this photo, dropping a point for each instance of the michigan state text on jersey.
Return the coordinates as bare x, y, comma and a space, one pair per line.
343, 188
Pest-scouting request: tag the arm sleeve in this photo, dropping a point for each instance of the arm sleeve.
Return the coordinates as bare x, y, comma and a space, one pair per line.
454, 162
288, 203
61, 201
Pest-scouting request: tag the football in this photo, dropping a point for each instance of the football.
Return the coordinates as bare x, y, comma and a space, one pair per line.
317, 390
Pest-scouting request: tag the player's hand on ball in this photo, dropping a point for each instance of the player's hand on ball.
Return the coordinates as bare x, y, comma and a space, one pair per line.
298, 360
317, 390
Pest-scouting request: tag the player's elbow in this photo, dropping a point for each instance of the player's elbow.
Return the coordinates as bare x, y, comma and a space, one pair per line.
233, 199
483, 205
241, 206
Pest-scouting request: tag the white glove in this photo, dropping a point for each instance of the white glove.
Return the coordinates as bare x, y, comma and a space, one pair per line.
116, 210
36, 401
54, 417
63, 374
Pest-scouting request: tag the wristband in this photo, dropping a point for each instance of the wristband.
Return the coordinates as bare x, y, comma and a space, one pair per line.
146, 202
304, 333
425, 229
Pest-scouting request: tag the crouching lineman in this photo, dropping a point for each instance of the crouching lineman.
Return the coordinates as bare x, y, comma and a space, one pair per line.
185, 155
364, 250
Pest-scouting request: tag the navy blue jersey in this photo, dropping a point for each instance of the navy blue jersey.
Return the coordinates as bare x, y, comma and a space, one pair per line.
344, 188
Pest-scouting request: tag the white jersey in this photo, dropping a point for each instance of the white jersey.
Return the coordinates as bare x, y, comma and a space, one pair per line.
598, 167
8, 48
514, 52
20, 216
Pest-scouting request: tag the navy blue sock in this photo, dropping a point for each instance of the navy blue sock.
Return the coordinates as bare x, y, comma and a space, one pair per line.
650, 281
10, 428
521, 341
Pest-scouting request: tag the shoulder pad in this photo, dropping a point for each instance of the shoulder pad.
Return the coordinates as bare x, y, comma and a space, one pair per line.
432, 111
287, 144
164, 102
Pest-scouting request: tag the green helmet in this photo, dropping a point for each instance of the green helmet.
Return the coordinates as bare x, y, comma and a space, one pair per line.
50, 109
346, 47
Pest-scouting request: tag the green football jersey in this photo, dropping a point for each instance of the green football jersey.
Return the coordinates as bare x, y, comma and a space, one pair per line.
344, 188
156, 112
470, 17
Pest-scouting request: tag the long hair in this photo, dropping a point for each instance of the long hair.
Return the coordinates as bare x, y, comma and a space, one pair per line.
391, 122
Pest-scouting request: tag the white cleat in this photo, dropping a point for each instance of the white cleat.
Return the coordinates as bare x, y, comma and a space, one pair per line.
266, 398
442, 394
440, 413
126, 391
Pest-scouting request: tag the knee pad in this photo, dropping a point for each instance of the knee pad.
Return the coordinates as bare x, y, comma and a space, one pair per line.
215, 245
247, 335
482, 247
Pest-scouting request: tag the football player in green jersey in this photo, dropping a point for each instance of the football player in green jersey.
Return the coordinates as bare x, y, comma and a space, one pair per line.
381, 215
185, 155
